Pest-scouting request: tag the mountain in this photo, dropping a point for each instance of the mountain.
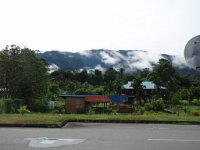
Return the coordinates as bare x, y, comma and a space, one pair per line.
130, 60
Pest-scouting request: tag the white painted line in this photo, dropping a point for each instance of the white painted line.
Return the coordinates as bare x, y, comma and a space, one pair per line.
174, 140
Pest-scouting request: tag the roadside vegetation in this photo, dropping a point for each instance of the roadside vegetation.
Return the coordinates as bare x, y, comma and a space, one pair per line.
49, 118
28, 92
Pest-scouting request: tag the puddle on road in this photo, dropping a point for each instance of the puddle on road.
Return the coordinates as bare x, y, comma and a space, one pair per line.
44, 142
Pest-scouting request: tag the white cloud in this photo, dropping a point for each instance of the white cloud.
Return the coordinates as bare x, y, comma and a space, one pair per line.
179, 62
142, 59
99, 67
86, 53
52, 68
109, 58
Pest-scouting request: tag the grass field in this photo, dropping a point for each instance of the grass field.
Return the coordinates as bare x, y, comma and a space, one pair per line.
48, 118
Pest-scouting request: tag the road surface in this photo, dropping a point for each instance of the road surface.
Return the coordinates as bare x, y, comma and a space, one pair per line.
102, 136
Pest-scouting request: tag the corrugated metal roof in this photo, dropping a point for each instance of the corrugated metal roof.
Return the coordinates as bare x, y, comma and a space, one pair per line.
128, 85
70, 95
97, 99
148, 85
118, 99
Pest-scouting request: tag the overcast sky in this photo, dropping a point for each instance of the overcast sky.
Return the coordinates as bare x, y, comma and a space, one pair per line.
162, 26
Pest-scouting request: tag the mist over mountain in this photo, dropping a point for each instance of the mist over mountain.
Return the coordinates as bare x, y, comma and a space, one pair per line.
130, 60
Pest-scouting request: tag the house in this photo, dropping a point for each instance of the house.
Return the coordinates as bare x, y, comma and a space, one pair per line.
79, 103
149, 89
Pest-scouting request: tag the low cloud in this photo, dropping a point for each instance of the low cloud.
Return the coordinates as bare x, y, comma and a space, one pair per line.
52, 68
86, 53
142, 59
179, 62
135, 59
109, 58
99, 67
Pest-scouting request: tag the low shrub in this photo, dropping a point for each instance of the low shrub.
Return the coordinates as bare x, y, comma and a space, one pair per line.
155, 105
23, 109
195, 102
91, 111
39, 105
12, 105
195, 113
185, 104
141, 110
59, 106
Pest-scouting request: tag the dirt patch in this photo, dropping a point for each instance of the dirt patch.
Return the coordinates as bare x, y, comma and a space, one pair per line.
8, 120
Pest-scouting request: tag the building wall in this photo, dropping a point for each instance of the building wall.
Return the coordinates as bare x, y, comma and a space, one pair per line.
74, 104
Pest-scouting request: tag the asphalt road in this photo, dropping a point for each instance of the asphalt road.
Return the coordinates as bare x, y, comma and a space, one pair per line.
101, 136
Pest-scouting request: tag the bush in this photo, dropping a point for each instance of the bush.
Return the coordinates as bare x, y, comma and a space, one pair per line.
12, 105
91, 111
195, 113
141, 110
112, 111
39, 105
23, 109
195, 92
185, 103
155, 105
196, 102
59, 106
184, 93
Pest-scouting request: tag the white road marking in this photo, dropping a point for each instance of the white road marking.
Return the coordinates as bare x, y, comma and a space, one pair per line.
44, 142
174, 140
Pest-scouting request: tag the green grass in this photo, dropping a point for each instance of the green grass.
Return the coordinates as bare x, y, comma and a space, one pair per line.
44, 118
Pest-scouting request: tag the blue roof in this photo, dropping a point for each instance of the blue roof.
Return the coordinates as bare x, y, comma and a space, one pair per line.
118, 99
146, 85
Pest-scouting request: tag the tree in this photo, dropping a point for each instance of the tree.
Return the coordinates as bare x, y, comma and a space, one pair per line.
184, 81
121, 70
144, 74
96, 78
34, 76
83, 76
61, 77
113, 87
195, 92
137, 87
72, 86
110, 75
10, 70
165, 76
23, 73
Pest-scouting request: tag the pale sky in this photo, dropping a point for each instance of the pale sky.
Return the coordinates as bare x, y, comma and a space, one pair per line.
160, 26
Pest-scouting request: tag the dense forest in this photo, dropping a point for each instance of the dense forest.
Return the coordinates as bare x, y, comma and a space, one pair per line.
24, 77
